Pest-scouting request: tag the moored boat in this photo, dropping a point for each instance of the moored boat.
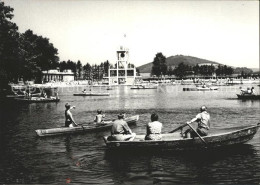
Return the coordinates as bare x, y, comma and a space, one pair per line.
174, 141
248, 97
89, 127
200, 88
144, 87
91, 94
22, 96
37, 100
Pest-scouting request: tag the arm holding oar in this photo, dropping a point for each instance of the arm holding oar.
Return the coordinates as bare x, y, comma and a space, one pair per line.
203, 120
178, 128
196, 133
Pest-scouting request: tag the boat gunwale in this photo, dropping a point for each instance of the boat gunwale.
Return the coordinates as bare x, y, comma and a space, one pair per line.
68, 130
183, 139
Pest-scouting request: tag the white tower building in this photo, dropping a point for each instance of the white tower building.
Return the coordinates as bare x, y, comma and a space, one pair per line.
122, 72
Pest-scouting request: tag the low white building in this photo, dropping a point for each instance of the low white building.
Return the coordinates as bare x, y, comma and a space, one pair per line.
57, 76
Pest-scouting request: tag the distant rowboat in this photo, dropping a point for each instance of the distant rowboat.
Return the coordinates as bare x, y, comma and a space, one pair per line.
200, 88
91, 94
248, 97
144, 87
37, 100
89, 127
174, 141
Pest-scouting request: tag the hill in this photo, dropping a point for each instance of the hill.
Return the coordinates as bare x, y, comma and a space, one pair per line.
175, 61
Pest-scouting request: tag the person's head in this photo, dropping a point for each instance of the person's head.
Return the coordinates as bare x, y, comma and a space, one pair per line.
203, 108
154, 117
248, 88
67, 106
99, 111
252, 88
121, 115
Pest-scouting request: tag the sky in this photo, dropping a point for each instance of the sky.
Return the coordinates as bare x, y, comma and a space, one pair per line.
92, 30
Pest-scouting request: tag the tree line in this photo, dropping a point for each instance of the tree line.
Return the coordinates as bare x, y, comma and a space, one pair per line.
23, 56
160, 68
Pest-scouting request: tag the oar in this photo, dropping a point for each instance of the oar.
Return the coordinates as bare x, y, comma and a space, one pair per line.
197, 133
178, 128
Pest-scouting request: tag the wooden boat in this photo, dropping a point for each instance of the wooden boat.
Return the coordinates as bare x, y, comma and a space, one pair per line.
37, 100
89, 127
248, 97
22, 96
144, 87
200, 88
91, 94
207, 88
174, 141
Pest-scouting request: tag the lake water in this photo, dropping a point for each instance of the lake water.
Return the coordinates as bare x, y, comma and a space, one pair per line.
25, 158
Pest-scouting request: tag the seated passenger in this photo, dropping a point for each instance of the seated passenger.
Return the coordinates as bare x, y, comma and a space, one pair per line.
154, 129
248, 90
120, 130
253, 91
99, 117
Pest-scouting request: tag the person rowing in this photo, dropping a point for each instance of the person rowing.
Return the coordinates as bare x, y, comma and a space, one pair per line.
120, 130
69, 121
203, 120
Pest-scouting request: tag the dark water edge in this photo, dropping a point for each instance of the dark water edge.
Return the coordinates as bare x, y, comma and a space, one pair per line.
84, 159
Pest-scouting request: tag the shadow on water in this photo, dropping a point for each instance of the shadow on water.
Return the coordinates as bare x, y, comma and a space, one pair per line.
166, 166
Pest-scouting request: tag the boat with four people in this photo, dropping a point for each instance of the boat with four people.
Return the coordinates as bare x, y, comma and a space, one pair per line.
86, 127
175, 141
248, 96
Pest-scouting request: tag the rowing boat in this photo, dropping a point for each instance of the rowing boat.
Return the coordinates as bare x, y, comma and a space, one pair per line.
174, 141
37, 100
91, 94
89, 127
144, 87
200, 88
22, 96
248, 97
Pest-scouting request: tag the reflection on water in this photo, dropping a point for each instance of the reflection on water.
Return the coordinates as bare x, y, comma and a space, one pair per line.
83, 158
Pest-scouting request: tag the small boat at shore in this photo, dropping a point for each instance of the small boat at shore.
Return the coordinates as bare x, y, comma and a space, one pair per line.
144, 87
207, 88
37, 100
91, 94
174, 141
248, 97
200, 88
87, 127
22, 96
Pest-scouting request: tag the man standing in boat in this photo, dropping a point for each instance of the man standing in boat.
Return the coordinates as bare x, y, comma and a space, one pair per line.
203, 120
120, 130
69, 121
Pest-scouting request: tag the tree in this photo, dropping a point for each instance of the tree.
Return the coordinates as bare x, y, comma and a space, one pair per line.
159, 65
39, 50
9, 46
79, 69
181, 70
87, 71
106, 67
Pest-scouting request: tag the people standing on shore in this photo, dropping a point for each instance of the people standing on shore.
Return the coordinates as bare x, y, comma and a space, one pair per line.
154, 128
120, 130
203, 120
69, 121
